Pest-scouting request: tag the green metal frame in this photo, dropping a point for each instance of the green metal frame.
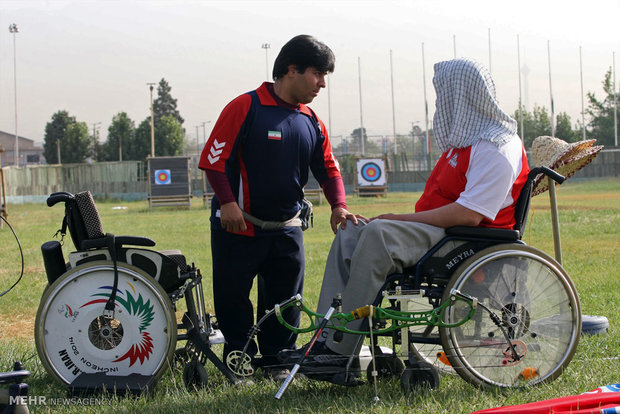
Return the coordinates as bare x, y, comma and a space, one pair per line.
398, 319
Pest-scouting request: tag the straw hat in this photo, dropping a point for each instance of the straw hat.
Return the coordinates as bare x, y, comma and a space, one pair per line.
562, 157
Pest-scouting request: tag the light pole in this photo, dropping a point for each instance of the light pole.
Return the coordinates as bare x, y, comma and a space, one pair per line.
204, 133
266, 46
96, 126
13, 29
152, 122
197, 145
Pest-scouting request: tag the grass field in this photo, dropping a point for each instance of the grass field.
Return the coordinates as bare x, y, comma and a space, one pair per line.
590, 228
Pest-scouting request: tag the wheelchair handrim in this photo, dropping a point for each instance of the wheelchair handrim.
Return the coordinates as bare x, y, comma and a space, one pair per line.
477, 262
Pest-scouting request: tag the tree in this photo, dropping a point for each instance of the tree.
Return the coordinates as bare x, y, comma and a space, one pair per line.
563, 128
64, 133
535, 124
55, 130
140, 146
74, 145
355, 135
165, 104
120, 134
601, 114
168, 137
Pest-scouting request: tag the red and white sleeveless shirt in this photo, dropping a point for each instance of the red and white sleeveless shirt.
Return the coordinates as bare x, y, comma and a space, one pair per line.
495, 182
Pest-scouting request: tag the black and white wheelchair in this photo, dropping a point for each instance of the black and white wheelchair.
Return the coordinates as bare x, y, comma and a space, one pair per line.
525, 319
107, 319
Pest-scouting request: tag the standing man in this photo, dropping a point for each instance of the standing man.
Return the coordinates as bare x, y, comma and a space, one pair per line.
257, 160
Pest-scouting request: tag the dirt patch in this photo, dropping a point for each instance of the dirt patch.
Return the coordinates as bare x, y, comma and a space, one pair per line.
17, 326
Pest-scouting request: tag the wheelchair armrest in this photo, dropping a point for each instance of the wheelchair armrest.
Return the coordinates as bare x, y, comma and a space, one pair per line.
134, 241
118, 242
484, 232
94, 243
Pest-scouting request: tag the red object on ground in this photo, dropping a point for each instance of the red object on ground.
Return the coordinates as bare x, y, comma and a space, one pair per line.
604, 400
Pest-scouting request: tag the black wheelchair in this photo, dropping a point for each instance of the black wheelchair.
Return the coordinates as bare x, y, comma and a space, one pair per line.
525, 319
14, 400
480, 303
107, 319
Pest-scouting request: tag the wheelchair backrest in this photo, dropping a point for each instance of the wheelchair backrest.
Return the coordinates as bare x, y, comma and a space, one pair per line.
523, 202
81, 216
522, 207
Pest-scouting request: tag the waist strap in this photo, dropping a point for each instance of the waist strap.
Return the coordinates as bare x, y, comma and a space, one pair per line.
273, 225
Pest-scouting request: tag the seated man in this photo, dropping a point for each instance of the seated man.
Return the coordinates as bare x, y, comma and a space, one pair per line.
476, 182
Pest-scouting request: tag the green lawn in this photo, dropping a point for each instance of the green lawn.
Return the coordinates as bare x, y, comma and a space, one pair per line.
590, 229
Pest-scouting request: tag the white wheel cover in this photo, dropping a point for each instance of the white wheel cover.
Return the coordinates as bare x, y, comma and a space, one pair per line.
136, 341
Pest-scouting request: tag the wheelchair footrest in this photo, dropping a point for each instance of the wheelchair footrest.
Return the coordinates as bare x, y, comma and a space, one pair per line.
216, 337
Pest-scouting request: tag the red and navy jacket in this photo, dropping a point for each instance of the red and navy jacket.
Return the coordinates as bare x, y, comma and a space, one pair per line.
266, 151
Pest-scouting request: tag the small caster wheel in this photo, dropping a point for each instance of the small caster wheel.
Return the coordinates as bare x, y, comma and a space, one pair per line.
419, 376
387, 367
194, 375
180, 358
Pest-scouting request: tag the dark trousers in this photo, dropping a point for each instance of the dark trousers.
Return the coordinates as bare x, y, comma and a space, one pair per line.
278, 261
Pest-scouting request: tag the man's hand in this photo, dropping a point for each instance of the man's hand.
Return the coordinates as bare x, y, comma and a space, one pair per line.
231, 218
340, 216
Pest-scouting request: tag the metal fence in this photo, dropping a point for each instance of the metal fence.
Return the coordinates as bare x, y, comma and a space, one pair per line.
33, 183
406, 169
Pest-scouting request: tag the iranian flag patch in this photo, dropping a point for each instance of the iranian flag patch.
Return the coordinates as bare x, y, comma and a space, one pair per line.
277, 135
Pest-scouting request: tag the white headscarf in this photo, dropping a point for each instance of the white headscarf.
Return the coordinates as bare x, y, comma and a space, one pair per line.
466, 106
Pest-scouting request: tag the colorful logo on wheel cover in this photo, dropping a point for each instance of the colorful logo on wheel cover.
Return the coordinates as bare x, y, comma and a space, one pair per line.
371, 172
137, 308
162, 177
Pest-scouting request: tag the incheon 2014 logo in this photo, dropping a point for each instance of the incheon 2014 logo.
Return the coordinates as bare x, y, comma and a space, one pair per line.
142, 348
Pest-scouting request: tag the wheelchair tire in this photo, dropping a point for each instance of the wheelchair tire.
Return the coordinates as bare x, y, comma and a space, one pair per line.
195, 375
537, 306
387, 367
418, 377
82, 349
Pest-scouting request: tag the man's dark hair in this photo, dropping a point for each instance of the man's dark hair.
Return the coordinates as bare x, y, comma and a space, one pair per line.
303, 51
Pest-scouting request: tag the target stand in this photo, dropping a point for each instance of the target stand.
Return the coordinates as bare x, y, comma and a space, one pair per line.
371, 178
169, 181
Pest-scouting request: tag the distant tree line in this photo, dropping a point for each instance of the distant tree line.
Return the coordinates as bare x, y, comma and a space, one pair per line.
599, 120
70, 140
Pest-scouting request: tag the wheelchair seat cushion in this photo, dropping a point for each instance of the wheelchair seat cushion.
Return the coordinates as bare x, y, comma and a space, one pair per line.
484, 232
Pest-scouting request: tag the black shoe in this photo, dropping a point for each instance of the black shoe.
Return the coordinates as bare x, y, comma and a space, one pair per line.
332, 367
276, 374
292, 356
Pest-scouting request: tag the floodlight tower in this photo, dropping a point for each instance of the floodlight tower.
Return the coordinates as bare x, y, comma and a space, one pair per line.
266, 46
152, 121
14, 29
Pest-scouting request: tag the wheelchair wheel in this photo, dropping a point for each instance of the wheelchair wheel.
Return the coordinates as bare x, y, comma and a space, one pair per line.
536, 306
195, 375
418, 377
387, 366
81, 348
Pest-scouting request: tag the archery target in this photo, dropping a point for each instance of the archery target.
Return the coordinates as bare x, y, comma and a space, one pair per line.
162, 177
370, 171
